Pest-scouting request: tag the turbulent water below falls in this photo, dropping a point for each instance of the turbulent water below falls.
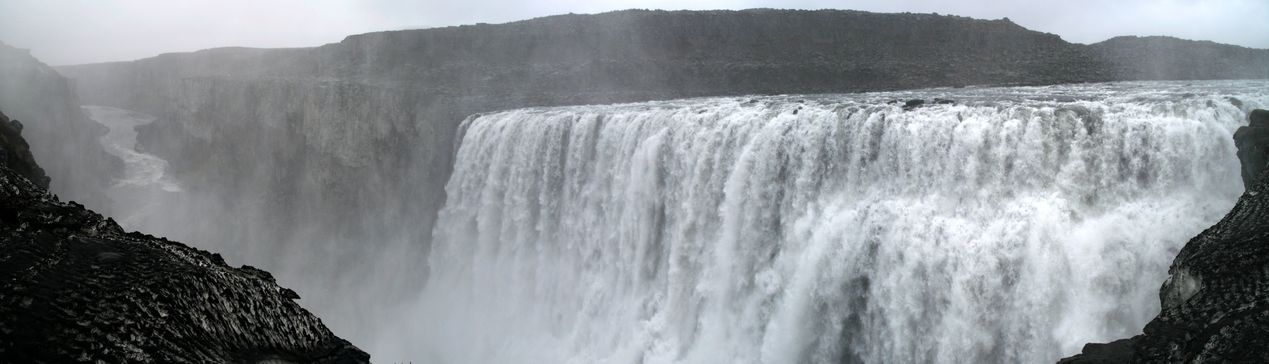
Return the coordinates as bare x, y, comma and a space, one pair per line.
1010, 227
137, 193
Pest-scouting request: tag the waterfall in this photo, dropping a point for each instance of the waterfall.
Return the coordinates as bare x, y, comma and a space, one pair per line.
1011, 226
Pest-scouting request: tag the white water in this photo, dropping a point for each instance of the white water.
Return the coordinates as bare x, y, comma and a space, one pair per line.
137, 193
141, 169
1012, 227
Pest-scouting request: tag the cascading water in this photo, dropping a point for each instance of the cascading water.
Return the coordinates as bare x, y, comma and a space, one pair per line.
1011, 227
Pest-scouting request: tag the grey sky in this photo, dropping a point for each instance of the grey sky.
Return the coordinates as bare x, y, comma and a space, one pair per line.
82, 31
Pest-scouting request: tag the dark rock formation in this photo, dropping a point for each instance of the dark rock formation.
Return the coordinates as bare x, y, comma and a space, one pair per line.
1253, 145
16, 153
64, 141
1216, 301
74, 287
1119, 351
912, 104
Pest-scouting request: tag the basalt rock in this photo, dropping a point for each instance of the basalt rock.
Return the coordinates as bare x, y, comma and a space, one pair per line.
1118, 351
74, 287
16, 153
913, 104
1253, 145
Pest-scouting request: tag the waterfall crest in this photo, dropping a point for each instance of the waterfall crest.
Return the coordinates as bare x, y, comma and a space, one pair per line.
1012, 226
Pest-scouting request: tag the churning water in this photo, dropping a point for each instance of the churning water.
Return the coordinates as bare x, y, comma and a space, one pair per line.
1012, 226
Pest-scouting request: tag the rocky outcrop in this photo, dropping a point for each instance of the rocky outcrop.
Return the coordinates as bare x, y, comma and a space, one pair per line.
64, 141
16, 153
74, 287
1215, 304
1253, 145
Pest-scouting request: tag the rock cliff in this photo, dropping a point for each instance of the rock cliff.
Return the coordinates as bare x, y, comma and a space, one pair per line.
77, 288
63, 140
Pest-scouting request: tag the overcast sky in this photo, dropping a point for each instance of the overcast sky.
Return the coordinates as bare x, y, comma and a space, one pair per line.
82, 31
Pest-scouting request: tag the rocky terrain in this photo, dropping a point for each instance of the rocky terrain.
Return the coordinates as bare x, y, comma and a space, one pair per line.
1215, 305
77, 288
63, 140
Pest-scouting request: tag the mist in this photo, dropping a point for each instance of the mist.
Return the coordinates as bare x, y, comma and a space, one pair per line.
568, 181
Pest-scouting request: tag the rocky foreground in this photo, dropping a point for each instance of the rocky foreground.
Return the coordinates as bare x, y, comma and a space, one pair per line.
1216, 301
74, 287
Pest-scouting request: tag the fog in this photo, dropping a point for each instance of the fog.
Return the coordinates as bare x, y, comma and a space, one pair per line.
440, 196
83, 31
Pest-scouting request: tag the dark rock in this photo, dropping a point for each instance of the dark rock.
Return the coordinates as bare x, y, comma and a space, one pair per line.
944, 101
74, 287
1235, 101
1253, 145
1116, 352
1259, 118
912, 104
16, 153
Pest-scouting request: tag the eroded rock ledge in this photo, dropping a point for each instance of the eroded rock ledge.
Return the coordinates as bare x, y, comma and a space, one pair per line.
74, 287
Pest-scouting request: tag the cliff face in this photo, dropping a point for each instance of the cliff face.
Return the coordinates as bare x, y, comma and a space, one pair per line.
63, 140
78, 288
16, 153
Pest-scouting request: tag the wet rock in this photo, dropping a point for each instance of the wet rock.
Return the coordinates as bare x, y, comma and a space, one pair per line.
940, 101
1235, 101
913, 104
16, 153
1253, 145
1118, 351
74, 287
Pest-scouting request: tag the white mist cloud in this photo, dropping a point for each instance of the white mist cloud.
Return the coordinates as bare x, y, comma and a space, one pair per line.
82, 31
